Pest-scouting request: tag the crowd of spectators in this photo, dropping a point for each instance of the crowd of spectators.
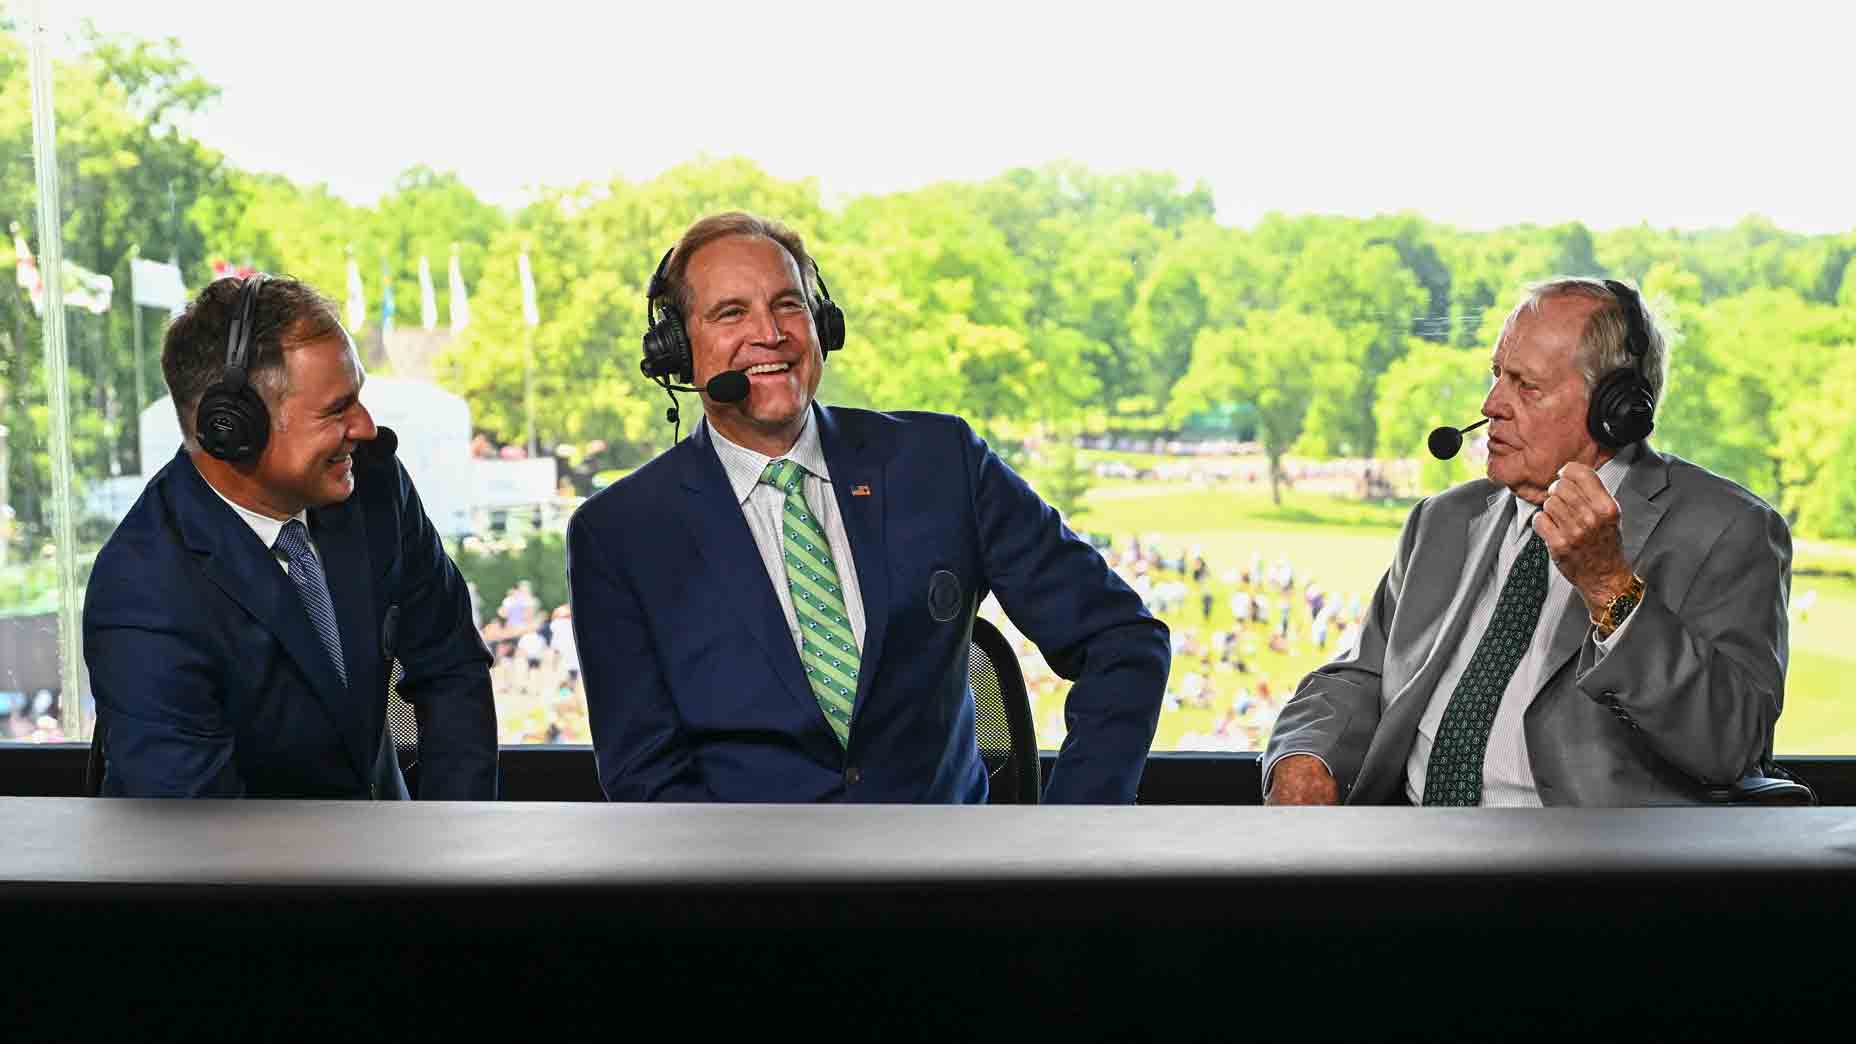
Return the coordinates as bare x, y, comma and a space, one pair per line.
1242, 633
536, 668
31, 717
1233, 629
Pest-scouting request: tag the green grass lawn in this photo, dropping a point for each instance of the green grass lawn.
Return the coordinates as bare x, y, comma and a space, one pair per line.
1344, 546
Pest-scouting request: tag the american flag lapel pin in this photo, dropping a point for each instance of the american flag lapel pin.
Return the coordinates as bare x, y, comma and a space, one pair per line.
860, 490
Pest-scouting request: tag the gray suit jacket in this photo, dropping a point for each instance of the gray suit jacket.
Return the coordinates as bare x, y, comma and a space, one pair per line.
1689, 695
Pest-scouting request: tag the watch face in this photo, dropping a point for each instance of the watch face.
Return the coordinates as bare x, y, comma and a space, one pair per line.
1624, 603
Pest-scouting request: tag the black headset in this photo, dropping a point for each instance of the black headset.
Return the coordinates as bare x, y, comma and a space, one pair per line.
231, 421
1623, 406
667, 343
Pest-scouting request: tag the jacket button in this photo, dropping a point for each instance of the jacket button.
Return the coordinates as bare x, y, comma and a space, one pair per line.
852, 776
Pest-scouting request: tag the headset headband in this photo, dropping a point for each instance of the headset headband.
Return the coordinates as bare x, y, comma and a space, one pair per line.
238, 340
1636, 338
659, 285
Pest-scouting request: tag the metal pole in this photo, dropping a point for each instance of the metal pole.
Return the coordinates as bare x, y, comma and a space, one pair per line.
6, 500
57, 392
528, 384
135, 311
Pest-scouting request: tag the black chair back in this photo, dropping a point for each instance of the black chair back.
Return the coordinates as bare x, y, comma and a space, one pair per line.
93, 763
404, 724
1768, 784
1002, 717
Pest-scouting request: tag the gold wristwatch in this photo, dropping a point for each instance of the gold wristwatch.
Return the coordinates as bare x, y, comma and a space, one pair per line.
1618, 609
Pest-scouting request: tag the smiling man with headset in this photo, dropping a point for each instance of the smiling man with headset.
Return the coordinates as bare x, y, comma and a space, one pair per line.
778, 607
241, 623
1595, 623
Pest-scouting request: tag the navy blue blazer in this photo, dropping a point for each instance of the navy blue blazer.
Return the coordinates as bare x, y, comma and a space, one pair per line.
695, 688
208, 675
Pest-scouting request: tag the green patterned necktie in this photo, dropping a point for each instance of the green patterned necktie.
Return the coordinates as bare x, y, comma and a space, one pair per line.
1453, 776
827, 645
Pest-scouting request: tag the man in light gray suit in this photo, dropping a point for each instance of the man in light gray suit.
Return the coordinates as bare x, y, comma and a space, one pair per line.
1595, 623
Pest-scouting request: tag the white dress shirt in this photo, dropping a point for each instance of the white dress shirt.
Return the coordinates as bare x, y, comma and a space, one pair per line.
765, 507
268, 528
1507, 775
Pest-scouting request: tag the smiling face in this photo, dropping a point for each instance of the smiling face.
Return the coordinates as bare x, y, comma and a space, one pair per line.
315, 425
748, 311
1537, 404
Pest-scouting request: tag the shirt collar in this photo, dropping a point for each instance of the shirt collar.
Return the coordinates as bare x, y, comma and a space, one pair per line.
1611, 473
744, 466
265, 526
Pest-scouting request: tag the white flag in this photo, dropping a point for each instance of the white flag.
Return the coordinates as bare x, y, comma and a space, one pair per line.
357, 299
530, 314
460, 301
428, 297
156, 284
82, 287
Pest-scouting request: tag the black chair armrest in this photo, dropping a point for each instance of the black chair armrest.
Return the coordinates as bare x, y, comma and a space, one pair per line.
1762, 790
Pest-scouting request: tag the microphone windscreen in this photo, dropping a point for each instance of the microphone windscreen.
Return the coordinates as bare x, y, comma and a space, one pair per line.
727, 386
1444, 442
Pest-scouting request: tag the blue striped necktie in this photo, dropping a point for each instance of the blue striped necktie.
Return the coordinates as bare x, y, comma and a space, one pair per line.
313, 587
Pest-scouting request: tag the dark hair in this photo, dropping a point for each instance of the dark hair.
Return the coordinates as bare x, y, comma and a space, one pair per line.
193, 354
721, 226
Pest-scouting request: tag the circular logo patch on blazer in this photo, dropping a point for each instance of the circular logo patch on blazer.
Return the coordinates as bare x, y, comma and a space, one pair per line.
943, 595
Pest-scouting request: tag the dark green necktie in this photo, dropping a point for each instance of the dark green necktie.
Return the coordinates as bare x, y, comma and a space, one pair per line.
1454, 774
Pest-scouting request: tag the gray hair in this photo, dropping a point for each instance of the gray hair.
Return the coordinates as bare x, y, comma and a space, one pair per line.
720, 226
1602, 347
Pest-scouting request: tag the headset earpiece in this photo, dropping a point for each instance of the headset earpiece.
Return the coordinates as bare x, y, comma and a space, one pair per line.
666, 343
232, 422
1623, 407
827, 317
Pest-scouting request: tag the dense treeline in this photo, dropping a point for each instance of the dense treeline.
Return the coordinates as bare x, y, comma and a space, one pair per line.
1056, 300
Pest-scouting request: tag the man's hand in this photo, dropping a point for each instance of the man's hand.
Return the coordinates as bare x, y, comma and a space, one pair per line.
1579, 523
1301, 779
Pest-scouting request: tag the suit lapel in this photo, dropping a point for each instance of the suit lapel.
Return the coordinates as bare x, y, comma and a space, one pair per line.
341, 540
1482, 539
1639, 514
1384, 763
857, 482
727, 547
239, 564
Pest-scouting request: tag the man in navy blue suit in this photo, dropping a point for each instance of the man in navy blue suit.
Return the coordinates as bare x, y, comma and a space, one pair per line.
241, 622
778, 608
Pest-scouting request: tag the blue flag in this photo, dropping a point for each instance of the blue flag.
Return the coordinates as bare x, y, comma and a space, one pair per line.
386, 301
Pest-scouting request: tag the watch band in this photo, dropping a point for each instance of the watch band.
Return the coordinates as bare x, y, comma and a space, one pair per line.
1619, 608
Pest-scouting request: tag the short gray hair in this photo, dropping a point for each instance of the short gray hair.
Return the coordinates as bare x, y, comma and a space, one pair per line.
1602, 345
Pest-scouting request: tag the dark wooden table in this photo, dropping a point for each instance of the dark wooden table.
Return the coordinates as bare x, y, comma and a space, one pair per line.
952, 923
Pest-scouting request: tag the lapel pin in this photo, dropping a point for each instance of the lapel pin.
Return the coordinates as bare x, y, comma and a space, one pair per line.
860, 491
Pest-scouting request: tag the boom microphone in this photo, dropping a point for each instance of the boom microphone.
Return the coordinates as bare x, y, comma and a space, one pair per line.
727, 386
1445, 441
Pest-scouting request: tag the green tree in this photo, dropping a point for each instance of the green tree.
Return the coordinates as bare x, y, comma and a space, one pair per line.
128, 178
426, 213
945, 305
1211, 276
1366, 290
1276, 360
1062, 477
1744, 363
1432, 385
1816, 446
593, 249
